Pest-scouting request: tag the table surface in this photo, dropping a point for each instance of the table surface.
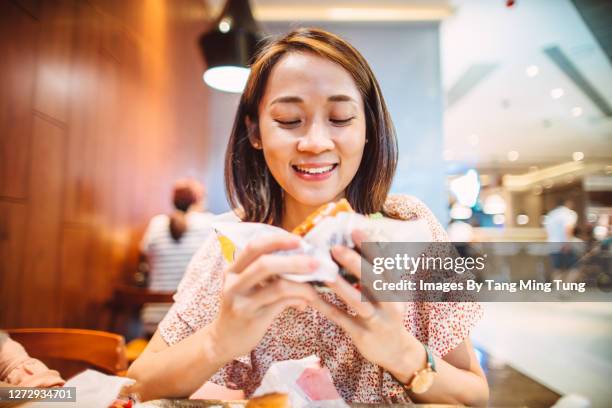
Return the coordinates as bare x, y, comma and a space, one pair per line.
185, 403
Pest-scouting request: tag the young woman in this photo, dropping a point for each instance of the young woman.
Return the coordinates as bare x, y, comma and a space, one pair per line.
311, 127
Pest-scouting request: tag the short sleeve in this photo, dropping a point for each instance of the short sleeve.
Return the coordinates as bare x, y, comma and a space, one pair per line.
196, 304
158, 222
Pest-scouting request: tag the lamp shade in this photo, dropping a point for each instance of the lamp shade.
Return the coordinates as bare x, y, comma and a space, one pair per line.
229, 47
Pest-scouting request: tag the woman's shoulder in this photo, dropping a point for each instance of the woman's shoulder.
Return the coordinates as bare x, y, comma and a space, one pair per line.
409, 208
404, 207
205, 265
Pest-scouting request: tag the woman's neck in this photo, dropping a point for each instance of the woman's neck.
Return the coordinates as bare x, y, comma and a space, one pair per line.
295, 212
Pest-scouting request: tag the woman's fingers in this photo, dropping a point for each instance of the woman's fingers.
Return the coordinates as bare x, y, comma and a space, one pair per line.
263, 246
349, 259
352, 297
274, 309
267, 266
358, 237
281, 289
348, 323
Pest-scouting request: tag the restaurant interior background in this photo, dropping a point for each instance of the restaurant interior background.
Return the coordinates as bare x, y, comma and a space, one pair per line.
501, 109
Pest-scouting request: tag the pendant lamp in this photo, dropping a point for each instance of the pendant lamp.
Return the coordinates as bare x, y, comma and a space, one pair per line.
229, 47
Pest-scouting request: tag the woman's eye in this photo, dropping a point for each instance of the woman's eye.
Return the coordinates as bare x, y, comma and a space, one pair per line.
288, 123
342, 122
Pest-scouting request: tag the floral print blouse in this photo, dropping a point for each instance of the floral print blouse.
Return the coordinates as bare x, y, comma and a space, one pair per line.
442, 326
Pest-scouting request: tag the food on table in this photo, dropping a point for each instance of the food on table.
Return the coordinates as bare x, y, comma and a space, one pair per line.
271, 400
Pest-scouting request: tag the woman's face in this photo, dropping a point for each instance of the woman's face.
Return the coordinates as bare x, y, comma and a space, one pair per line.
312, 127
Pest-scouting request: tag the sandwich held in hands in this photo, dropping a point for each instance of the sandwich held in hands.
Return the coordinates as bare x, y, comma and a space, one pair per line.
330, 225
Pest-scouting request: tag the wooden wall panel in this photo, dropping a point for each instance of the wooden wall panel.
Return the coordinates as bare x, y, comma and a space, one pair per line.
57, 20
82, 143
41, 275
18, 34
13, 216
104, 109
75, 274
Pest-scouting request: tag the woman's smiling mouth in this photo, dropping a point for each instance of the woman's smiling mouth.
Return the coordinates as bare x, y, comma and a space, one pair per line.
314, 171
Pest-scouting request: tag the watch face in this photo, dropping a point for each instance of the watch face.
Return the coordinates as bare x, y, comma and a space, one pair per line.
422, 381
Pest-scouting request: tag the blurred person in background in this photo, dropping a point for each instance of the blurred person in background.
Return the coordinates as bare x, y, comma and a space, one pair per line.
169, 243
18, 369
560, 227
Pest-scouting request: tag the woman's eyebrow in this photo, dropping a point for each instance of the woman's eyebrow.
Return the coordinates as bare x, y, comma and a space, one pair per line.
340, 98
297, 99
287, 99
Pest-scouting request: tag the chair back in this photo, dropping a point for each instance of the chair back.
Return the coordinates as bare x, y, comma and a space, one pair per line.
97, 349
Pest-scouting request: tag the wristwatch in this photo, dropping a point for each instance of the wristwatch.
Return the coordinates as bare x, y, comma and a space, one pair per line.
423, 379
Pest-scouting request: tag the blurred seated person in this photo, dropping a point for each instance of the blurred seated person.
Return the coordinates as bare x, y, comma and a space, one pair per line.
169, 243
18, 369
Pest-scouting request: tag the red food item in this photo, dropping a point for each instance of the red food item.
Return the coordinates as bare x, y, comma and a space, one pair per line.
317, 384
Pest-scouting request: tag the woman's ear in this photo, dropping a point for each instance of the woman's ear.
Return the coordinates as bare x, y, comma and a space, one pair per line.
253, 133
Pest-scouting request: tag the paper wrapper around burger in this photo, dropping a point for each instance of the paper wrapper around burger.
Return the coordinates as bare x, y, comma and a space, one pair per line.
305, 381
328, 231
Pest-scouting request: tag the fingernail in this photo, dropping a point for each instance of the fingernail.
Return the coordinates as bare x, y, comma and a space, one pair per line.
337, 249
314, 264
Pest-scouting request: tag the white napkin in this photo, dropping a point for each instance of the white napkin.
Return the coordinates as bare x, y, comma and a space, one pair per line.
283, 377
93, 390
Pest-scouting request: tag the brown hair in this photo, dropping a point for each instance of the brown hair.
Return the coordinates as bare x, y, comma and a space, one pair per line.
248, 182
186, 193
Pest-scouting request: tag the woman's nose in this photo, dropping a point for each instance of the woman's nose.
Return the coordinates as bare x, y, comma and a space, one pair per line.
316, 140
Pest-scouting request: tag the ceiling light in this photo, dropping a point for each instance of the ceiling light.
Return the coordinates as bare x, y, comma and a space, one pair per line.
229, 46
522, 219
227, 78
513, 155
576, 111
494, 204
499, 219
225, 25
577, 156
532, 71
556, 93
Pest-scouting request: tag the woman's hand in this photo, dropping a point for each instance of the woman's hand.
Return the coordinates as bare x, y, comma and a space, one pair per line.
376, 328
253, 294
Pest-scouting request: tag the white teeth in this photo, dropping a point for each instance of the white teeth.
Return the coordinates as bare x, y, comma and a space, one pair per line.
314, 170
